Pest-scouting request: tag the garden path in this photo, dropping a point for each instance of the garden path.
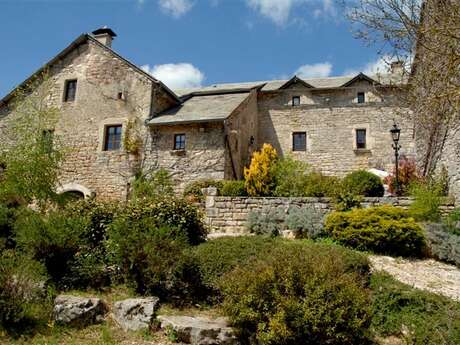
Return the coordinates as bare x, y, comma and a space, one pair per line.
430, 275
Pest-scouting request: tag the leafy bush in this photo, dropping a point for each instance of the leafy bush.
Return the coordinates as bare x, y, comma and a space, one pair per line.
345, 201
289, 177
427, 201
268, 221
407, 175
299, 294
305, 221
363, 183
233, 188
319, 185
217, 257
7, 219
259, 177
193, 192
419, 317
22, 287
383, 229
452, 222
158, 184
54, 240
442, 243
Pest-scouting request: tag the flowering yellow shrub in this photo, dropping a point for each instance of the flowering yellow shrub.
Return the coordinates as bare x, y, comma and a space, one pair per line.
259, 176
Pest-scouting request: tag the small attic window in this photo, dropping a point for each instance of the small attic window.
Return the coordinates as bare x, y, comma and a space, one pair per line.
295, 101
70, 90
361, 97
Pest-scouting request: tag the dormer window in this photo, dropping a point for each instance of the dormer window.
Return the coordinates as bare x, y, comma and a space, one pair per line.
361, 97
70, 90
295, 101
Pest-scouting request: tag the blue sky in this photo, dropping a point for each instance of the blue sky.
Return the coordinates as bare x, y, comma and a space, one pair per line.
189, 43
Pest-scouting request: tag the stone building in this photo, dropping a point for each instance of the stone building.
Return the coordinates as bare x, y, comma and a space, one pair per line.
117, 119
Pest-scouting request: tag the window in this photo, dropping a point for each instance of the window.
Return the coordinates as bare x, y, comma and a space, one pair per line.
299, 141
360, 138
112, 138
361, 97
70, 90
179, 141
295, 101
48, 136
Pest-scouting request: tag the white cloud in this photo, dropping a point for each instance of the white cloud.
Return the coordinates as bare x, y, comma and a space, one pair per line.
176, 76
279, 10
379, 66
175, 8
316, 70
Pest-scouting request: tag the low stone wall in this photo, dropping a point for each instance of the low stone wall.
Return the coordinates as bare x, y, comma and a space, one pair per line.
227, 216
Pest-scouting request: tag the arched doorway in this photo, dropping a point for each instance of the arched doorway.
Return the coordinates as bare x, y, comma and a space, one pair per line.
75, 191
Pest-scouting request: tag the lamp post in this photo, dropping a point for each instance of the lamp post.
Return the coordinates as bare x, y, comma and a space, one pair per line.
395, 133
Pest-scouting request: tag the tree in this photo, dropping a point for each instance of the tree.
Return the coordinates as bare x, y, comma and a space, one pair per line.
259, 177
29, 150
426, 34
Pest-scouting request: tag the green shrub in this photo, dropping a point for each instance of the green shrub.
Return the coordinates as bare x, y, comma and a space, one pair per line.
425, 206
53, 239
268, 221
452, 222
289, 177
384, 229
159, 183
233, 188
442, 243
305, 221
299, 294
363, 183
346, 201
419, 317
260, 176
22, 287
319, 185
7, 218
193, 190
217, 257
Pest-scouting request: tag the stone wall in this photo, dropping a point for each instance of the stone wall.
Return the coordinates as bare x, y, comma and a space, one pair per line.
228, 215
330, 118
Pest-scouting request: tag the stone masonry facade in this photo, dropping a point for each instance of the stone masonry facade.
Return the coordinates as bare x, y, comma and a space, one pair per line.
220, 125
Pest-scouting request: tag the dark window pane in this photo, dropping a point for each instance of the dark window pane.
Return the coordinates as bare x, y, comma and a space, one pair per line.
295, 100
112, 138
299, 141
361, 138
179, 142
70, 90
361, 97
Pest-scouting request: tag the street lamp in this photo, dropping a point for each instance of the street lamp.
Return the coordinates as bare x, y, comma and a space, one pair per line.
395, 133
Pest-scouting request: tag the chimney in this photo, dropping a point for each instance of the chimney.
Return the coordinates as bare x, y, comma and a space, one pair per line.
105, 35
397, 67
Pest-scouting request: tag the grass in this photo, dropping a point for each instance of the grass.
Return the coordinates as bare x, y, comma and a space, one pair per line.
414, 315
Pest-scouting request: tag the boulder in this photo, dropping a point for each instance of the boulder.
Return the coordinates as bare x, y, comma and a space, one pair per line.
199, 330
78, 311
135, 313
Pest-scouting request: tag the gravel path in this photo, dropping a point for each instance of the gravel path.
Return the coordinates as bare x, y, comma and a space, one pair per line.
430, 275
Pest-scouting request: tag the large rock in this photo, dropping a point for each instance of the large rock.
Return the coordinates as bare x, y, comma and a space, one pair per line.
78, 311
135, 313
199, 330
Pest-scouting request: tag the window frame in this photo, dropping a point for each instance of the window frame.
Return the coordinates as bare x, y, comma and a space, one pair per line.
182, 143
293, 102
359, 99
66, 90
303, 148
107, 137
359, 145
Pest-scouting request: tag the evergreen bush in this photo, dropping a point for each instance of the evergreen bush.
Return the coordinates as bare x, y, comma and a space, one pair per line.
442, 243
233, 188
363, 183
305, 221
259, 177
269, 221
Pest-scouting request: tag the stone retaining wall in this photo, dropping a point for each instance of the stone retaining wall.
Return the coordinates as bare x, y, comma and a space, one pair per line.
227, 216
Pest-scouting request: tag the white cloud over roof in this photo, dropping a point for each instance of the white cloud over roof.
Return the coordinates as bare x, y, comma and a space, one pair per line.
180, 75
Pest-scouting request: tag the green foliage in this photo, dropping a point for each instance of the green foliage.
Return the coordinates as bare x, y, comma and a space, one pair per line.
319, 185
407, 175
299, 294
217, 257
363, 183
385, 229
193, 191
289, 177
259, 177
22, 287
425, 206
443, 243
7, 218
305, 221
233, 188
420, 318
268, 221
452, 222
158, 184
31, 153
346, 201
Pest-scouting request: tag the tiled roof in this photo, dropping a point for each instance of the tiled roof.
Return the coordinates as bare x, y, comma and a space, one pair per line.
202, 108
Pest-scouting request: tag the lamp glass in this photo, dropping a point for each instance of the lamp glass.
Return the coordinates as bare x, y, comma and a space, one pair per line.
395, 132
